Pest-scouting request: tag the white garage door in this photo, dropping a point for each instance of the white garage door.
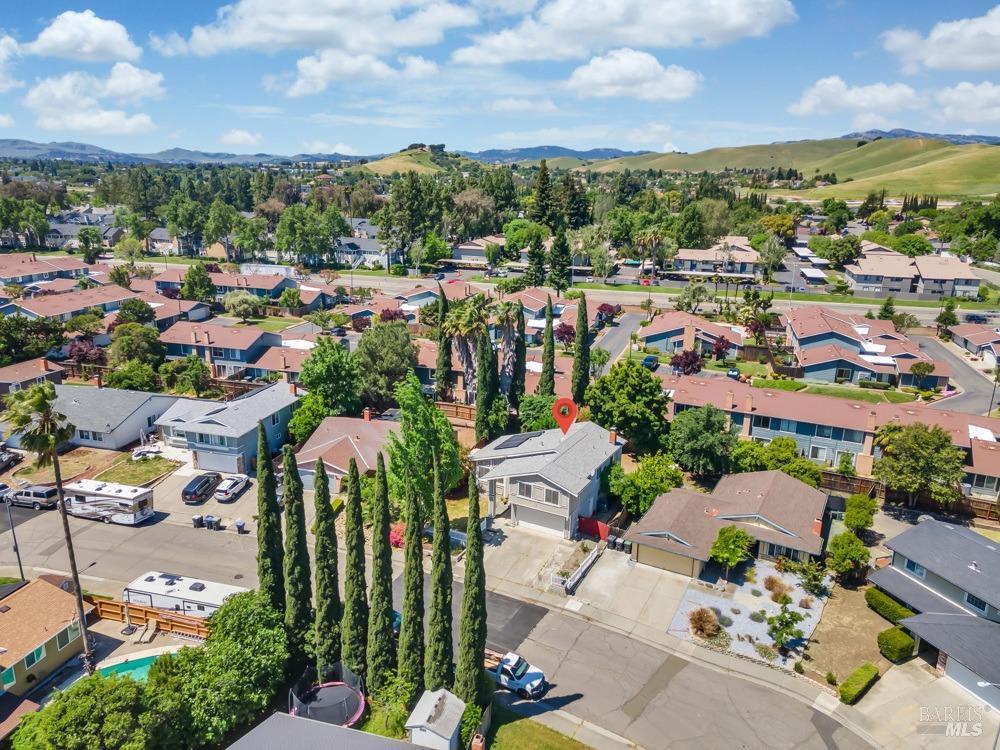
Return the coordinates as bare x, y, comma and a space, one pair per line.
217, 461
968, 679
538, 519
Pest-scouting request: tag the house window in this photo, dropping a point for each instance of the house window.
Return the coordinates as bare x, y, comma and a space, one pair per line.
976, 603
524, 490
67, 636
817, 453
150, 420
841, 454
551, 497
916, 568
274, 418
824, 431
217, 352
84, 434
34, 657
8, 678
843, 373
97, 437
764, 422
854, 436
983, 482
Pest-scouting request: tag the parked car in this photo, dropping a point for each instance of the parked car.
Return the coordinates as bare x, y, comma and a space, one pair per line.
35, 496
975, 318
439, 276
200, 488
8, 459
514, 673
338, 331
589, 280
650, 361
231, 487
733, 372
5, 491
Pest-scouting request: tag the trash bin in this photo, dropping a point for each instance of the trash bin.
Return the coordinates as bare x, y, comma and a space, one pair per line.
240, 526
619, 543
210, 522
627, 546
611, 541
198, 521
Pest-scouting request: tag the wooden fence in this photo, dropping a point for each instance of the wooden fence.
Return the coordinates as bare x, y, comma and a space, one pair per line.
458, 412
166, 622
831, 480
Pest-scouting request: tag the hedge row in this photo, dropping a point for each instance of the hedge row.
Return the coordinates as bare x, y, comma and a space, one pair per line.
857, 684
875, 385
886, 606
895, 644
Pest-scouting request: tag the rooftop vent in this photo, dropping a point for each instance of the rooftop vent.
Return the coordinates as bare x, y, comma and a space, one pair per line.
4, 609
197, 586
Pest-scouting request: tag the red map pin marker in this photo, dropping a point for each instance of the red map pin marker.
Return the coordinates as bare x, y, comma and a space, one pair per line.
564, 410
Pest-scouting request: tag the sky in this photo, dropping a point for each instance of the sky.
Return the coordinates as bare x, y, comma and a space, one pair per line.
293, 76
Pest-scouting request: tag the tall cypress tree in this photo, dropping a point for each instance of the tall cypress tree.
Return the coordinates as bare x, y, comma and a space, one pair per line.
560, 263
581, 362
534, 275
520, 361
438, 667
298, 580
487, 386
270, 555
411, 630
354, 626
542, 205
472, 640
547, 380
442, 370
381, 639
328, 605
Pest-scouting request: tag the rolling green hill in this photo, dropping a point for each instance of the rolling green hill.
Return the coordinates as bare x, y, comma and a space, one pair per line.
421, 162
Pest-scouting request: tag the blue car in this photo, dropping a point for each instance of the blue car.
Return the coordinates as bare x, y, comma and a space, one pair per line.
650, 361
733, 372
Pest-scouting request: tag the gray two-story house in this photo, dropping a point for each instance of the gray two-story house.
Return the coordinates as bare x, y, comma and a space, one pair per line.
548, 479
950, 576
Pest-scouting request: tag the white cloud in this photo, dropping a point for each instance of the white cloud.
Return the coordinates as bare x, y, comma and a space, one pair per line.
630, 73
324, 147
8, 50
521, 104
831, 94
965, 44
240, 137
73, 101
873, 121
169, 45
259, 111
318, 71
6, 121
415, 67
970, 103
84, 36
652, 135
573, 29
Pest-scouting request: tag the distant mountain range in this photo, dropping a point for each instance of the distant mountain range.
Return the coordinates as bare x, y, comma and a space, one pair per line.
86, 152
957, 139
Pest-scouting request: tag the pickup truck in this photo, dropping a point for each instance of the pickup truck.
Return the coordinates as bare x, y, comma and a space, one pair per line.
515, 674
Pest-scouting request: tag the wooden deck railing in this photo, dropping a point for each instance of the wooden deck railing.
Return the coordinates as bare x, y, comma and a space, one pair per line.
166, 622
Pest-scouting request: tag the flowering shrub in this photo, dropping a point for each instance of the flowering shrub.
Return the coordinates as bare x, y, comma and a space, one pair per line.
397, 534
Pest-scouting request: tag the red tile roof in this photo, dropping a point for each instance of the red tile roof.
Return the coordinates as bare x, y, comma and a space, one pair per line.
52, 305
676, 319
22, 372
231, 337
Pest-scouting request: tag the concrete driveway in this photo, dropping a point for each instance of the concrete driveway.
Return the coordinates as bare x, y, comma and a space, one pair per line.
618, 338
977, 389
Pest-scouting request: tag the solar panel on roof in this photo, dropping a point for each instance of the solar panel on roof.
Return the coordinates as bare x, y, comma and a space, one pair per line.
517, 440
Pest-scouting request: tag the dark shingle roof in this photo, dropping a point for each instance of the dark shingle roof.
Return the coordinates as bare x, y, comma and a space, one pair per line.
966, 638
282, 730
914, 594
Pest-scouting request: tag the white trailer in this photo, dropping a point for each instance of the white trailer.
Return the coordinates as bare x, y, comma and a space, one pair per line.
108, 502
181, 594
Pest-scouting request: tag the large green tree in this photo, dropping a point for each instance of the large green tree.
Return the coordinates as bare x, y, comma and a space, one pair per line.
298, 578
442, 369
329, 608
198, 284
438, 666
520, 361
630, 399
581, 362
657, 473
543, 209
560, 263
22, 338
731, 547
534, 275
411, 629
354, 626
547, 380
332, 375
270, 570
385, 354
919, 459
469, 683
700, 441
381, 639
136, 341
487, 390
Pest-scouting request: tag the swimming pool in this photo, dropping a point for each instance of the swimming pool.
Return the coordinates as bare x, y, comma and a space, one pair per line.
137, 669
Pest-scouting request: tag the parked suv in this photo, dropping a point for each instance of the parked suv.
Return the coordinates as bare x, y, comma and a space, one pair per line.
8, 458
35, 496
200, 488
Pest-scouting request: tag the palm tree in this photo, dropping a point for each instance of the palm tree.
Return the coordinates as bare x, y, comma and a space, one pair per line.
464, 324
505, 315
32, 416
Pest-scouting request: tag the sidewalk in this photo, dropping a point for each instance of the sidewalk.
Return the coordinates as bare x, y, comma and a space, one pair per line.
565, 723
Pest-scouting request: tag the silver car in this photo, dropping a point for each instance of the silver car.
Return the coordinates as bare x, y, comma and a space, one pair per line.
230, 487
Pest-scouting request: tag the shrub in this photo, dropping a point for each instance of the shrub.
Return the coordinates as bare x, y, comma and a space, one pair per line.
831, 678
806, 603
758, 616
895, 644
756, 592
751, 575
773, 583
797, 666
886, 606
857, 684
875, 384
397, 534
765, 651
704, 622
725, 621
470, 720
781, 597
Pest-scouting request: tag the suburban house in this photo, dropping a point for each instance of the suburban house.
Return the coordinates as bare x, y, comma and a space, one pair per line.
946, 276
26, 374
169, 311
228, 350
160, 241
731, 256
783, 515
285, 730
40, 632
339, 439
950, 576
827, 428
279, 362
371, 308
548, 479
223, 436
357, 251
265, 286
318, 296
474, 251
362, 229
674, 331
24, 268
879, 269
110, 418
103, 299
62, 235
980, 340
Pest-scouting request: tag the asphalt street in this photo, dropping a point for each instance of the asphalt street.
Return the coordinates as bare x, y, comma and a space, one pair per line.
618, 338
977, 390
640, 692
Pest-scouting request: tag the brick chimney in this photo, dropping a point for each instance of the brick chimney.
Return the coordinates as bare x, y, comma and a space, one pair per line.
817, 526
613, 437
43, 364
367, 414
295, 389
194, 335
284, 362
730, 402
748, 403
208, 337
870, 425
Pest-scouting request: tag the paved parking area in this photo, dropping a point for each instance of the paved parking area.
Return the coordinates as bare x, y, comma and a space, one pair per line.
519, 554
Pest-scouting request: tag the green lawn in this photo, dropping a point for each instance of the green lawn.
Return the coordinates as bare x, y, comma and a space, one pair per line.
751, 369
778, 385
458, 511
137, 473
5, 580
861, 394
508, 731
272, 323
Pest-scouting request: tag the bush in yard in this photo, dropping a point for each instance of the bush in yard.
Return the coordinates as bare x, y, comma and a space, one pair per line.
758, 616
781, 597
831, 678
857, 684
886, 606
756, 592
397, 534
765, 651
806, 603
895, 644
773, 583
799, 669
859, 513
704, 622
725, 621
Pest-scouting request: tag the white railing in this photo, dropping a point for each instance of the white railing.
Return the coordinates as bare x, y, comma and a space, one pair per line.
569, 583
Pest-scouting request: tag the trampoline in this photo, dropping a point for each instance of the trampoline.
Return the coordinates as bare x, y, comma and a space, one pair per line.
338, 701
